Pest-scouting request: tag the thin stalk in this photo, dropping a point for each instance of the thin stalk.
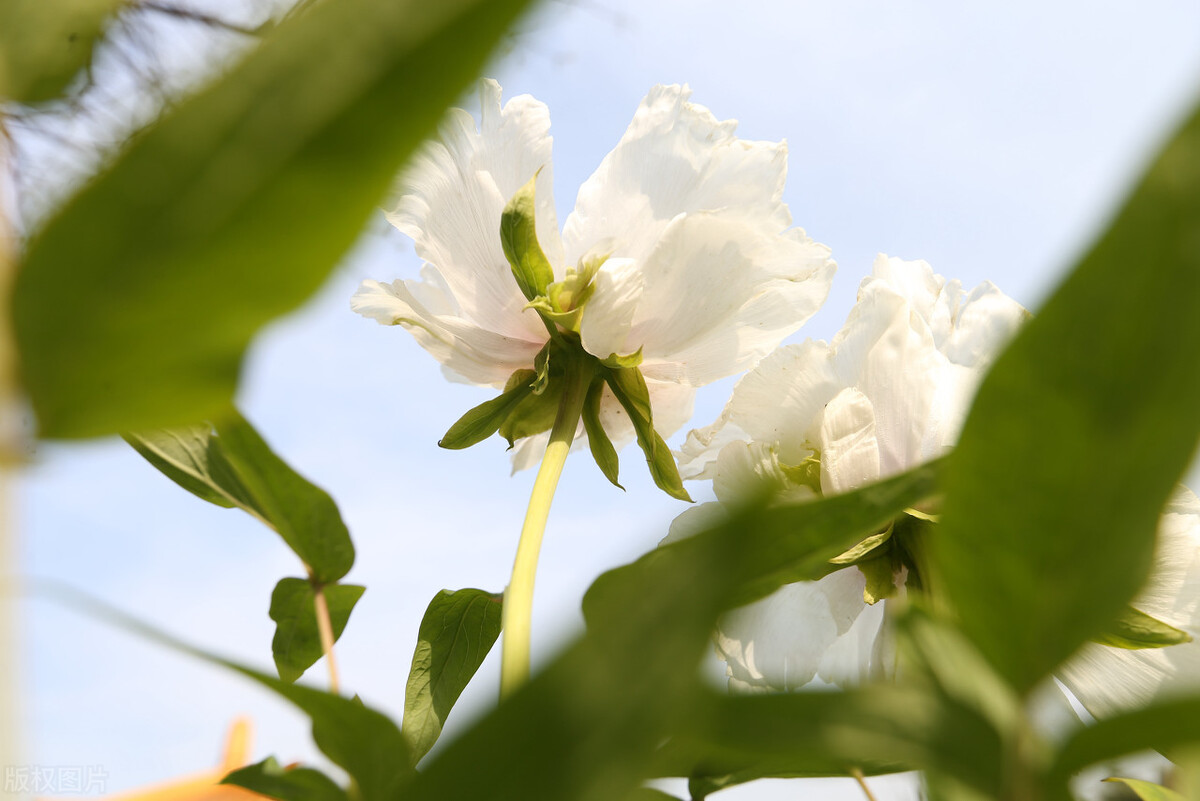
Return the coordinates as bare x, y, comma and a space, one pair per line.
518, 598
862, 783
325, 631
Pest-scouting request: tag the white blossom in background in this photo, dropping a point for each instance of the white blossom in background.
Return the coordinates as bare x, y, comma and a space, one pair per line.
704, 274
891, 391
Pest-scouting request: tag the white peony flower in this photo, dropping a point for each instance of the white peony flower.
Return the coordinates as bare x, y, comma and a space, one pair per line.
889, 392
703, 274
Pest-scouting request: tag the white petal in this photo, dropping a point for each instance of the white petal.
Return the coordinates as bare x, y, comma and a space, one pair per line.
781, 400
454, 192
847, 443
718, 295
675, 158
608, 315
478, 355
778, 643
888, 353
745, 471
695, 519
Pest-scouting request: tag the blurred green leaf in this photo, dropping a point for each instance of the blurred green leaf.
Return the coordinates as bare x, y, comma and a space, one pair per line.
363, 742
588, 726
1078, 434
134, 304
271, 779
45, 44
1134, 629
518, 236
1148, 791
1162, 726
457, 632
297, 642
233, 466
795, 735
485, 419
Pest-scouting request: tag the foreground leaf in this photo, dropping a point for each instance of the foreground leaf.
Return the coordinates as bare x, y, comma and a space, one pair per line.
457, 632
1134, 629
271, 779
297, 642
232, 210
1148, 791
232, 465
588, 726
363, 742
1164, 726
1078, 435
45, 44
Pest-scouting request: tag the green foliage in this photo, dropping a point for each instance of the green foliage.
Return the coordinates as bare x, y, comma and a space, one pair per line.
1078, 434
46, 44
363, 742
457, 632
204, 229
598, 442
271, 779
1134, 629
485, 419
1148, 791
629, 387
297, 642
231, 465
518, 235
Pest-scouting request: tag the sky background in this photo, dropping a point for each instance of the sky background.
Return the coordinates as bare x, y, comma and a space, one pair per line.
992, 143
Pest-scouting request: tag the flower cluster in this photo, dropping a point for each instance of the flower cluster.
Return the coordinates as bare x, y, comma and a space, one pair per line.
680, 236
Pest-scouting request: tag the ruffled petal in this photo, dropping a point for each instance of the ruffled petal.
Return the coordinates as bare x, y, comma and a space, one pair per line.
717, 296
745, 471
608, 315
778, 643
888, 353
454, 192
847, 443
477, 355
676, 158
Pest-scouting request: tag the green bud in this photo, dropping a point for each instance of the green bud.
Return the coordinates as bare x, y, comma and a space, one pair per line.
518, 235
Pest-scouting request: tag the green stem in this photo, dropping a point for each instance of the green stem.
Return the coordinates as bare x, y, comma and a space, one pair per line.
518, 598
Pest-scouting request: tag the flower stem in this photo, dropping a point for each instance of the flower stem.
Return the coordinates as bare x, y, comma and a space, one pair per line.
862, 783
325, 632
518, 598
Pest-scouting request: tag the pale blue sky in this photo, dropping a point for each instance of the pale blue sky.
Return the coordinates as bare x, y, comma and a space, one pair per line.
989, 140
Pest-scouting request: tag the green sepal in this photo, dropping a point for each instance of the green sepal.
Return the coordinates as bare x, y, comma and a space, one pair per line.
865, 549
273, 780
568, 320
297, 642
881, 579
456, 633
533, 414
629, 387
541, 366
619, 362
1135, 630
598, 442
485, 419
518, 235
1148, 791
